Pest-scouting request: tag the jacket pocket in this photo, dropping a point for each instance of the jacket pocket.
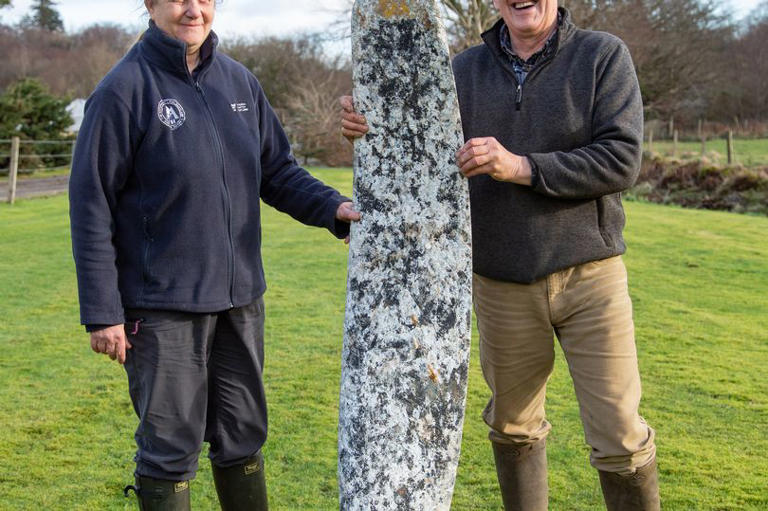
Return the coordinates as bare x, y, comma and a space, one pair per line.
610, 220
602, 221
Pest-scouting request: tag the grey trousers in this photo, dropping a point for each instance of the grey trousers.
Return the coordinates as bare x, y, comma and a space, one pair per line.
192, 378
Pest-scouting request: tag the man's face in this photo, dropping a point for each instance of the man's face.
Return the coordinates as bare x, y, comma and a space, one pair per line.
527, 19
186, 20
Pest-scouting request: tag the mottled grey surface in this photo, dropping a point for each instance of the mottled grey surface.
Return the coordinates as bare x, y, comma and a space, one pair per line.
407, 325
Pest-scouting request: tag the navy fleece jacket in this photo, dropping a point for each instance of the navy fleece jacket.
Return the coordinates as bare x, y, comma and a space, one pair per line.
166, 181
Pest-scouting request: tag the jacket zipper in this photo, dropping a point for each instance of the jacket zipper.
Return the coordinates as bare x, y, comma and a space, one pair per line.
220, 151
147, 243
519, 94
534, 72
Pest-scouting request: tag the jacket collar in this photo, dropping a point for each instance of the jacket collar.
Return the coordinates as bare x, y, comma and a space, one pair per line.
171, 54
492, 38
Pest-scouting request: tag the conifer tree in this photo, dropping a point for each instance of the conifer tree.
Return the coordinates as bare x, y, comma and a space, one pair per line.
29, 111
44, 16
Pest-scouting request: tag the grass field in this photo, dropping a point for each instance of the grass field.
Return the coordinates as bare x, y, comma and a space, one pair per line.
698, 280
748, 152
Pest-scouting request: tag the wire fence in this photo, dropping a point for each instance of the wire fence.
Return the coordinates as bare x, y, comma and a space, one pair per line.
29, 156
35, 155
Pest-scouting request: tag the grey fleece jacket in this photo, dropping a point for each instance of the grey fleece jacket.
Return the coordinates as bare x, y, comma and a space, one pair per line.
579, 119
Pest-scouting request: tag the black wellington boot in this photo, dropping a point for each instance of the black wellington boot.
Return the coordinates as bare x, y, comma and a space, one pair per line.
636, 492
242, 487
160, 495
522, 473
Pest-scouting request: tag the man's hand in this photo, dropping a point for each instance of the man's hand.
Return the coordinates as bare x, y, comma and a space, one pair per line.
111, 341
346, 213
488, 156
353, 125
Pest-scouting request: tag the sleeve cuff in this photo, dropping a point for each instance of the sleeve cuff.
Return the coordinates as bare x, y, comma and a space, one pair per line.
95, 328
535, 178
339, 228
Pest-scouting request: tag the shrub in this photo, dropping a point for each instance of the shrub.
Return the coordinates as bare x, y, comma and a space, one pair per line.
699, 184
30, 112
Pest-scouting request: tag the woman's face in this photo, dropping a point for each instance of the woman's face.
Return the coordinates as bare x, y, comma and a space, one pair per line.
188, 21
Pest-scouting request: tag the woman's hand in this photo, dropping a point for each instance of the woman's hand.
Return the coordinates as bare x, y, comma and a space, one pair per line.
346, 213
353, 125
111, 341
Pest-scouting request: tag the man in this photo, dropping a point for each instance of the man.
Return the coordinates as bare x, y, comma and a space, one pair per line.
553, 117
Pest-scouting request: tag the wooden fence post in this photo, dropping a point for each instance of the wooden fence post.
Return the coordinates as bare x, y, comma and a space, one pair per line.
650, 141
730, 147
674, 144
14, 170
703, 145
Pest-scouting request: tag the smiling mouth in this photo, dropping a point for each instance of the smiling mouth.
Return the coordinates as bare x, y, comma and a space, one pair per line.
523, 5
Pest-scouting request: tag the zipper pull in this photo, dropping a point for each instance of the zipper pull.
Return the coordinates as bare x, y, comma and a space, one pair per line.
199, 89
519, 97
135, 326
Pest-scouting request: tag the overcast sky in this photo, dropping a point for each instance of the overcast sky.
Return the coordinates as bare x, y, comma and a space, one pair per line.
234, 17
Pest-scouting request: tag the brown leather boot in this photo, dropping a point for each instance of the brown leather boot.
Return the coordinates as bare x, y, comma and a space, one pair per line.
522, 473
160, 495
242, 487
636, 492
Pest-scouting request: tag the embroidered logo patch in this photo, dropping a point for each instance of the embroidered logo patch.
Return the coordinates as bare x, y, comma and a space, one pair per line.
171, 113
239, 107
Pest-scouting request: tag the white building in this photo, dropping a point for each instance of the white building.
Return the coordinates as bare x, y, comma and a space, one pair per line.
76, 109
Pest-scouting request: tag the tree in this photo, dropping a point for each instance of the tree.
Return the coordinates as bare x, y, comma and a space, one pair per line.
303, 86
746, 96
44, 16
466, 20
312, 122
760, 13
5, 3
57, 58
278, 63
30, 112
677, 46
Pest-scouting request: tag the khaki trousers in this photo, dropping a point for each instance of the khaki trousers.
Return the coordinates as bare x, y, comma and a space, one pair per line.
588, 309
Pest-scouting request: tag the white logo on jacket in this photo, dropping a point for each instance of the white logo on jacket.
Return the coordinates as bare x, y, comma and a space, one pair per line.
171, 113
239, 107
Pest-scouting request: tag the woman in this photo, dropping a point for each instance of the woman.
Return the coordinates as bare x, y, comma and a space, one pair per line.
177, 146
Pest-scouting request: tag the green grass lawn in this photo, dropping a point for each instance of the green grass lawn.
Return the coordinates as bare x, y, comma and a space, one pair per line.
698, 280
748, 152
